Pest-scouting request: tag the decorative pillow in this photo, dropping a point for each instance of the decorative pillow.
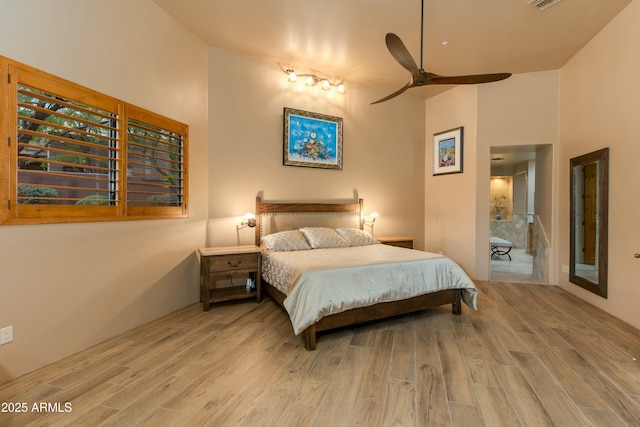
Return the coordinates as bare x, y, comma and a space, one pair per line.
291, 240
356, 237
323, 237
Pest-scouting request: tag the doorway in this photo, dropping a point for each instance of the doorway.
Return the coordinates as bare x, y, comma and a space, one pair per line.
513, 219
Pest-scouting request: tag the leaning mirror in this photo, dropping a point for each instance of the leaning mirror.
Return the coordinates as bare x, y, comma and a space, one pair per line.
589, 215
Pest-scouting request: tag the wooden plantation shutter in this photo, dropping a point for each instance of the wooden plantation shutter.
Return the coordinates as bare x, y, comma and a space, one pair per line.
156, 166
65, 154
73, 154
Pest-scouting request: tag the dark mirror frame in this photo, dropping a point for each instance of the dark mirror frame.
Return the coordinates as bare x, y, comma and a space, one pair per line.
601, 158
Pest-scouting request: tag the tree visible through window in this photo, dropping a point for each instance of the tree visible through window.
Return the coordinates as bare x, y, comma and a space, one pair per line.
154, 165
66, 151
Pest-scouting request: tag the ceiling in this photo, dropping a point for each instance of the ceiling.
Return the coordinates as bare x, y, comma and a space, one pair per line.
345, 39
504, 157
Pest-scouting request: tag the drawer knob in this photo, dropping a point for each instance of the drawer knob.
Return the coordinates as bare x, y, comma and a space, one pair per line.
234, 265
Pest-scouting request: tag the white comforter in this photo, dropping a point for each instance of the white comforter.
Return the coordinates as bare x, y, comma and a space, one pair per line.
320, 282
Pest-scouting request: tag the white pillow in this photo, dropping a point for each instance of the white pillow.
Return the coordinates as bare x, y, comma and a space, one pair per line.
323, 237
356, 237
291, 240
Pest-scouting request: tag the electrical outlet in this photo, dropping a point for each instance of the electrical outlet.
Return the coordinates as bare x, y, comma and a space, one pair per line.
565, 268
6, 335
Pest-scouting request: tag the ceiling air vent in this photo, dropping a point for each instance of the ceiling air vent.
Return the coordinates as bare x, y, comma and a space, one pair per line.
543, 4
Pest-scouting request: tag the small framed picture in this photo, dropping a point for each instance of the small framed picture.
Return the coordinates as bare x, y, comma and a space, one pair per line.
447, 152
312, 140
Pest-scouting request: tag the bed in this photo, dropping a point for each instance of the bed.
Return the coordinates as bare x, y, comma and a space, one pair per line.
327, 272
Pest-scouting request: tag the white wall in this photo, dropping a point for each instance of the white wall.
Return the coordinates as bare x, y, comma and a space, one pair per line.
66, 287
95, 280
382, 159
591, 103
451, 200
522, 110
599, 104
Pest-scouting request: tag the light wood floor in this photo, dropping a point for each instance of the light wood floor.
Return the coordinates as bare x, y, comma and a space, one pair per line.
532, 355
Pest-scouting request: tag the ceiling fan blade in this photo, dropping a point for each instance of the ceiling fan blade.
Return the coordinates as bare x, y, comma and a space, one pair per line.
466, 80
399, 51
419, 77
394, 94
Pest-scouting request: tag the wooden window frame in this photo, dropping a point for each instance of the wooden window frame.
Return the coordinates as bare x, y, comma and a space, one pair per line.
11, 212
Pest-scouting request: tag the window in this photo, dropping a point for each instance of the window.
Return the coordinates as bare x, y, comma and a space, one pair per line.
73, 154
155, 163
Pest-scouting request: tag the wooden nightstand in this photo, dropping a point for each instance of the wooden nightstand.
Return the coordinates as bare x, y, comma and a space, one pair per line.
220, 263
401, 241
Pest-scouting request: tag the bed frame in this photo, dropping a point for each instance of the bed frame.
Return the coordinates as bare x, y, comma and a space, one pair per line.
356, 315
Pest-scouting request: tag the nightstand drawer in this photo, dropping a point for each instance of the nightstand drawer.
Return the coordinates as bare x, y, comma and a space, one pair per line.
233, 262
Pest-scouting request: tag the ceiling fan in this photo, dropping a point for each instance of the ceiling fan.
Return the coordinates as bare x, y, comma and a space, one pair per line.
420, 77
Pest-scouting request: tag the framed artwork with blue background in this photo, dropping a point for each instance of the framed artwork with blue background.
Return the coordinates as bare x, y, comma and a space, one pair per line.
447, 152
312, 140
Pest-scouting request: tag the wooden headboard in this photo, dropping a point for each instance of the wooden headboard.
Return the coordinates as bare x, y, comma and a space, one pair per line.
293, 215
